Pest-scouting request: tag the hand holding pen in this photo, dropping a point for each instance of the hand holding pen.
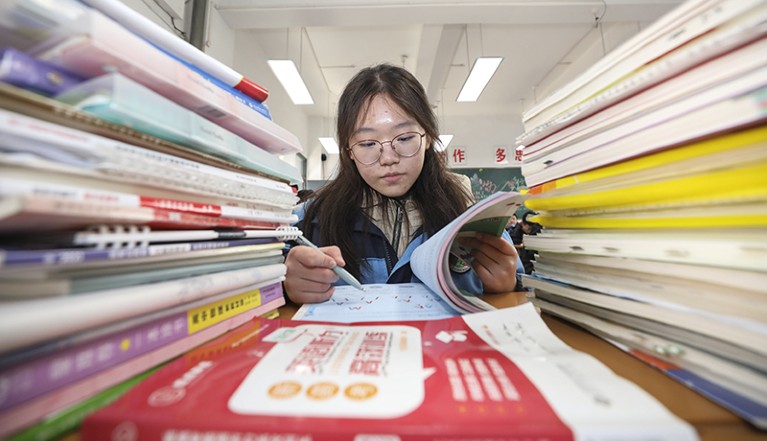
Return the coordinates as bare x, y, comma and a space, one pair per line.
311, 272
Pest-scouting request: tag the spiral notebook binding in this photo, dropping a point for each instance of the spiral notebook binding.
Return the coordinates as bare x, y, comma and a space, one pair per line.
288, 233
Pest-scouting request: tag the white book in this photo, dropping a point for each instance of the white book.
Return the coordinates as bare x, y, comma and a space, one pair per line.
730, 106
687, 22
714, 45
747, 335
726, 303
24, 186
118, 161
698, 79
743, 249
716, 278
27, 322
102, 45
120, 100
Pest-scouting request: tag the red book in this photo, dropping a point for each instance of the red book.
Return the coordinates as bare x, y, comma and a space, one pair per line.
25, 213
253, 90
499, 375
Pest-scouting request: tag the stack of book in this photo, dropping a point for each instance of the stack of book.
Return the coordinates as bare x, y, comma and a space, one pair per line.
649, 175
143, 211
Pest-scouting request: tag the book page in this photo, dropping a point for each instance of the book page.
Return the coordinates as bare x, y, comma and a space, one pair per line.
430, 260
380, 302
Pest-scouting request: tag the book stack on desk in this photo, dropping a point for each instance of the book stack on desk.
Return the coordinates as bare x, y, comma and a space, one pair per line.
648, 173
134, 224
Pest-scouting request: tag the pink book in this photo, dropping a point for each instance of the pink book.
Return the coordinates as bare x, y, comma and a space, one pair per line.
26, 414
41, 375
105, 46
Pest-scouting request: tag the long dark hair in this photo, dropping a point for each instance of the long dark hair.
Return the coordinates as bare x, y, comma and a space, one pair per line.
438, 194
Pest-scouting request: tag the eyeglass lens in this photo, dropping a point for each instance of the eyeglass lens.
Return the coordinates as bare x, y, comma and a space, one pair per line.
369, 151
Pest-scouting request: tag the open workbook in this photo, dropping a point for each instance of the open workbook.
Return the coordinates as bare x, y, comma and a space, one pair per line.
432, 261
439, 296
498, 375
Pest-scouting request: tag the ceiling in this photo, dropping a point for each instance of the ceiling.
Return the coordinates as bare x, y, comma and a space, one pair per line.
438, 40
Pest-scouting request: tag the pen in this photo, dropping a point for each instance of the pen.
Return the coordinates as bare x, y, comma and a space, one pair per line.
342, 273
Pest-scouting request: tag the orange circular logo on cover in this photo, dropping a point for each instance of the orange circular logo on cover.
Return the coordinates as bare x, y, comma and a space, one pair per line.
361, 391
322, 391
284, 389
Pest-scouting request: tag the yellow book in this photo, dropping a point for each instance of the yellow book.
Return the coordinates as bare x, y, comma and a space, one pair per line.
677, 156
748, 182
749, 215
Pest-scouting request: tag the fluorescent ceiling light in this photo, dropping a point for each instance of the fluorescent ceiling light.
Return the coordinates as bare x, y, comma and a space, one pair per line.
291, 81
444, 141
484, 69
329, 144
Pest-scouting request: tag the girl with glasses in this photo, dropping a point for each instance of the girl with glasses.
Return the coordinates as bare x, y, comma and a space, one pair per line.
392, 192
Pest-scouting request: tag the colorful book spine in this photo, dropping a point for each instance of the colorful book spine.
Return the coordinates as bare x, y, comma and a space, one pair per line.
106, 237
24, 258
19, 187
32, 411
27, 72
68, 420
118, 161
107, 46
54, 317
752, 411
39, 376
30, 353
730, 142
238, 94
23, 212
180, 49
118, 99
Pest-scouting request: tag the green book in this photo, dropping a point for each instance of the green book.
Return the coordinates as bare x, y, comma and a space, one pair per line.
69, 420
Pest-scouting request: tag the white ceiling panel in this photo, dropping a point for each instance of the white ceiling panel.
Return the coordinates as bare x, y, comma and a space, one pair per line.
536, 39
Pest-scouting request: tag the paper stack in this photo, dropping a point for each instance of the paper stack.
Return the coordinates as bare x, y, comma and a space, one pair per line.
143, 212
649, 175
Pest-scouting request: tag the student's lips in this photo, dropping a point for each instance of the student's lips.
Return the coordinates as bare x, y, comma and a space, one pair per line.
392, 177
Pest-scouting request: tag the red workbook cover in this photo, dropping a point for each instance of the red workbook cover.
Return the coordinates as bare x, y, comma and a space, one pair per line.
499, 375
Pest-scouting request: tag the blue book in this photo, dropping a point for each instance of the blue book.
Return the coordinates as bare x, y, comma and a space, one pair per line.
239, 96
58, 257
29, 73
120, 100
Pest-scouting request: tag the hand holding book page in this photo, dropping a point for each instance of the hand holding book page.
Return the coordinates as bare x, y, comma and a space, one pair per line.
431, 262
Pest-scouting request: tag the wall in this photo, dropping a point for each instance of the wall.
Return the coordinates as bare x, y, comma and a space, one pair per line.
152, 12
479, 136
223, 44
584, 54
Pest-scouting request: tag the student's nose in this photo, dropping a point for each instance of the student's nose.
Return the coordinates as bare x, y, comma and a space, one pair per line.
389, 155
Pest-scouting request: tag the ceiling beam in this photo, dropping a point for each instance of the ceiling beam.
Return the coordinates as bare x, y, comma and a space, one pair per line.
250, 14
444, 54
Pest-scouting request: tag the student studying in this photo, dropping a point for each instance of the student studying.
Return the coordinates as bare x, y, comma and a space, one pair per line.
392, 192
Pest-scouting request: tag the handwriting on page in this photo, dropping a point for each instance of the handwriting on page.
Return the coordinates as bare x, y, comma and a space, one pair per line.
380, 302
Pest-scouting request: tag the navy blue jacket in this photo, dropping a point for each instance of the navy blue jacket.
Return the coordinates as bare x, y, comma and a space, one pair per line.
383, 266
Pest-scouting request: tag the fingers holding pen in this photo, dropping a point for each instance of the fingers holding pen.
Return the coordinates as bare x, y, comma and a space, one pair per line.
310, 275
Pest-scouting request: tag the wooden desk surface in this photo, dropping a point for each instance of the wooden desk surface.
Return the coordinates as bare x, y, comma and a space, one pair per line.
713, 422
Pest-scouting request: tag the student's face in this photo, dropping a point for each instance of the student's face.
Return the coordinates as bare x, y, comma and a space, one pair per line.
392, 175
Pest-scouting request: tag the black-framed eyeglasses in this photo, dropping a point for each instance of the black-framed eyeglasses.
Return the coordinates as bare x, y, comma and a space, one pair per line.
369, 151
